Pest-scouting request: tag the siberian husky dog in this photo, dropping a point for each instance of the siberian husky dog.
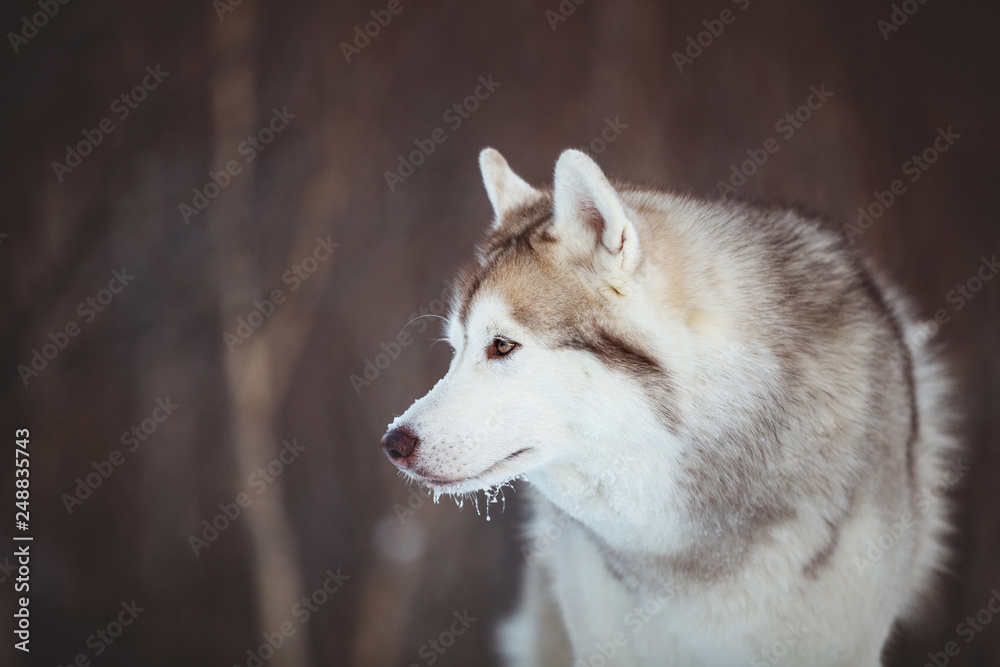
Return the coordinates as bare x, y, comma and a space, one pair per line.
731, 424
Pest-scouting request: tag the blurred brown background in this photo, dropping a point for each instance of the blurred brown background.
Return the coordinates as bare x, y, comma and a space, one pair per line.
224, 68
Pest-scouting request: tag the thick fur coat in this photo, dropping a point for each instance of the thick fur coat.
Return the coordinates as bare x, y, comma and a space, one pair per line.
721, 408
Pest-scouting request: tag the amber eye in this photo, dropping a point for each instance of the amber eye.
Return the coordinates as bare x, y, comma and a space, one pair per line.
500, 347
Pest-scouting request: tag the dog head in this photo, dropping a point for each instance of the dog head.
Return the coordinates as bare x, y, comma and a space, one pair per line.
551, 355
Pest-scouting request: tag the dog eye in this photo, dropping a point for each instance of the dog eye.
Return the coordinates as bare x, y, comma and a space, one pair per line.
500, 347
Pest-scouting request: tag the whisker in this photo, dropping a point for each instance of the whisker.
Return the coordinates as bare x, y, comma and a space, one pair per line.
418, 317
436, 341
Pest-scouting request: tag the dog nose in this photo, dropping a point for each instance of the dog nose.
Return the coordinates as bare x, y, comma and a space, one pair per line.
399, 445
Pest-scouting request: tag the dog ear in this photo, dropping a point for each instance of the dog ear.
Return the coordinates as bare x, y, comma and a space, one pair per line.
590, 219
505, 189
